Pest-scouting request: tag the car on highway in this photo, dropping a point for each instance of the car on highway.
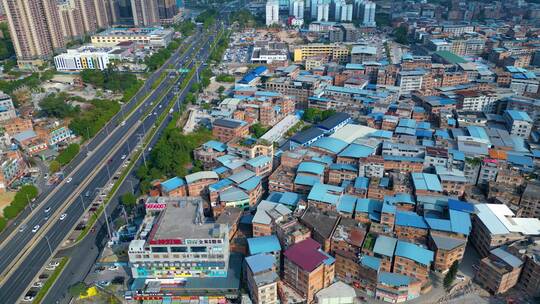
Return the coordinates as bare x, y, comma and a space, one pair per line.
54, 264
63, 216
104, 283
28, 298
47, 210
45, 218
38, 284
123, 123
35, 229
69, 179
112, 268
22, 228
123, 157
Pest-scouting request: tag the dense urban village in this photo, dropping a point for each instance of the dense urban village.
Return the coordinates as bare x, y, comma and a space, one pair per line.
269, 151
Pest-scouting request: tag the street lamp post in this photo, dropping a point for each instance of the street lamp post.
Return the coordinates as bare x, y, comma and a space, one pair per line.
48, 244
82, 203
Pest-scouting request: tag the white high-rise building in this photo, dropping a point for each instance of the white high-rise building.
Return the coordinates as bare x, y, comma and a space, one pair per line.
297, 9
366, 10
272, 12
346, 13
313, 8
322, 11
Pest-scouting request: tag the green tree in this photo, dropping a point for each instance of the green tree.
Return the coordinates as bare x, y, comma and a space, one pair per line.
451, 275
68, 154
55, 105
54, 166
3, 223
220, 90
225, 78
129, 200
11, 212
258, 130
78, 289
401, 34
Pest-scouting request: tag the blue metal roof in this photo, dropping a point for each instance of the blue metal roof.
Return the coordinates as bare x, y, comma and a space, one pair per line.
424, 133
370, 262
403, 158
215, 145
414, 252
345, 167
388, 208
172, 184
393, 279
289, 198
407, 123
263, 244
385, 245
518, 115
382, 134
439, 224
426, 181
460, 221
325, 193
356, 151
410, 219
331, 144
508, 258
260, 262
220, 185
404, 130
306, 180
370, 206
346, 203
442, 133
241, 176
310, 167
521, 160
477, 132
458, 205
259, 161
361, 182
423, 125
399, 198
251, 183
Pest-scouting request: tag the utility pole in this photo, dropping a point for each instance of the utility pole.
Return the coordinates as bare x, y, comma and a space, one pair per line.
82, 203
49, 244
107, 221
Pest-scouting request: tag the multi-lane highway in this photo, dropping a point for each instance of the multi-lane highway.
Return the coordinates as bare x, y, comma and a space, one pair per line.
91, 172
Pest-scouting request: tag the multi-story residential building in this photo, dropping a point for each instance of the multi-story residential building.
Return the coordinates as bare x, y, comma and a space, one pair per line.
413, 261
149, 36
208, 153
529, 252
338, 292
17, 125
228, 129
494, 225
396, 288
334, 52
267, 216
262, 278
518, 123
198, 182
499, 271
476, 100
272, 12
176, 241
411, 226
168, 11
307, 269
529, 105
448, 248
70, 19
12, 167
362, 53
301, 88
530, 201
248, 148
346, 246
145, 12
35, 29
7, 109
409, 81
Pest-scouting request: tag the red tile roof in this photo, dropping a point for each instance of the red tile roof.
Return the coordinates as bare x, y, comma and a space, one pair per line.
305, 254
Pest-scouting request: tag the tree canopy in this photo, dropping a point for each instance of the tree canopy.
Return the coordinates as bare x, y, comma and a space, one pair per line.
55, 105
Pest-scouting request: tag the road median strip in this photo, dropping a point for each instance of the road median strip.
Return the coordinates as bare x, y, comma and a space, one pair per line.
50, 281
